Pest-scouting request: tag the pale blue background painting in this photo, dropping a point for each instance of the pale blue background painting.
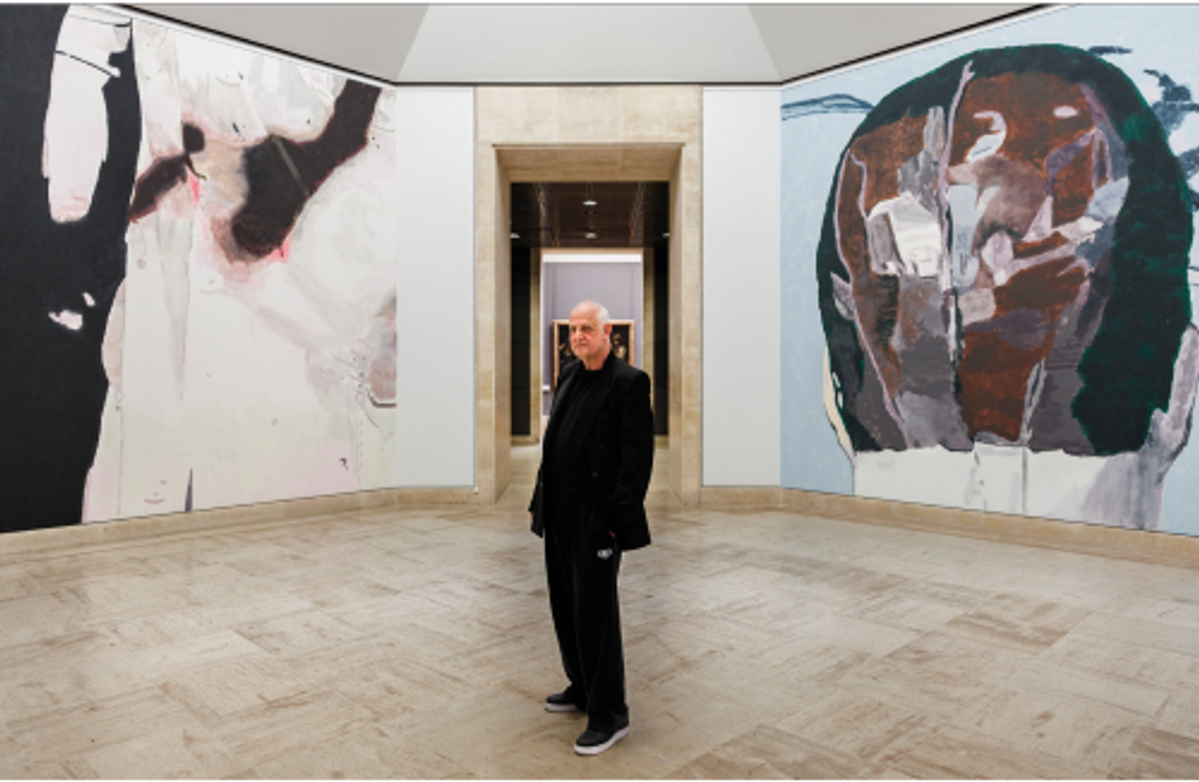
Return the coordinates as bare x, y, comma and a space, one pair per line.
1158, 38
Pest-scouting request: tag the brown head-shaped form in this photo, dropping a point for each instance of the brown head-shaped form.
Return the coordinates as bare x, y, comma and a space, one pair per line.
1003, 259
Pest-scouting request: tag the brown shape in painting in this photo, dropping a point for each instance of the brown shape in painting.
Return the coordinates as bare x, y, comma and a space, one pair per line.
961, 236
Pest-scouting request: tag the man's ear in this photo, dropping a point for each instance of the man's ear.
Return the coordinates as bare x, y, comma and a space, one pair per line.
608, 330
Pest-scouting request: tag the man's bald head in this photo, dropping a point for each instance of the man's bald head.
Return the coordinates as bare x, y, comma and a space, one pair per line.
590, 333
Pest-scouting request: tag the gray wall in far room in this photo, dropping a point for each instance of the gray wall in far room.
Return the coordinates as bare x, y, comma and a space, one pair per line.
617, 286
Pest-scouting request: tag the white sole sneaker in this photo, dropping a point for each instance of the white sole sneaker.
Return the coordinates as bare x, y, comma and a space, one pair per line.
598, 748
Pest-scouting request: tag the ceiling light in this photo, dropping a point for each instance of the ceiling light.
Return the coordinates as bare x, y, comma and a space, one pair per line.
590, 234
589, 202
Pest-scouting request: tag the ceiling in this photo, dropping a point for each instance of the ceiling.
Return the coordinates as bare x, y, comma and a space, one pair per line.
624, 214
546, 43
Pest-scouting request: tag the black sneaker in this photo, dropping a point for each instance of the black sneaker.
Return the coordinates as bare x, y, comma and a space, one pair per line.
559, 701
593, 742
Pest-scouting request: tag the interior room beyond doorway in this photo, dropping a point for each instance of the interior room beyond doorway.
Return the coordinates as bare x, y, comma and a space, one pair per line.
572, 241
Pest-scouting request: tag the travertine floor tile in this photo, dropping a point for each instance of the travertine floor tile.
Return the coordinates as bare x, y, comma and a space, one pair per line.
1087, 651
854, 723
53, 736
174, 752
765, 752
1021, 623
1144, 632
955, 753
1075, 729
1111, 689
1180, 714
1157, 754
219, 689
269, 729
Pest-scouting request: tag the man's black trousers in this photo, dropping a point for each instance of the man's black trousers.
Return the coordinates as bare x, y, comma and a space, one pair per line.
582, 562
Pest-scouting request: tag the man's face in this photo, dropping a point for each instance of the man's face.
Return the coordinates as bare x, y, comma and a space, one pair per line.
588, 340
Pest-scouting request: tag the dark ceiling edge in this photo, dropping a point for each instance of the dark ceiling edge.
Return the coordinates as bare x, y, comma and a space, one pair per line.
1011, 16
1001, 19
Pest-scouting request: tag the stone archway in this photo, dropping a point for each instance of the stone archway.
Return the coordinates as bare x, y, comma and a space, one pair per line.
547, 134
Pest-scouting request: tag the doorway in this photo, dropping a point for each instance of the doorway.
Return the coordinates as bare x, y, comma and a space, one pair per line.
586, 134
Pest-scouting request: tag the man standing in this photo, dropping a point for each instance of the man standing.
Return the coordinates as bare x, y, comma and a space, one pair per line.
589, 505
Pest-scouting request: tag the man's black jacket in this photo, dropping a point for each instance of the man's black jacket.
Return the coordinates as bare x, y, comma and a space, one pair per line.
614, 443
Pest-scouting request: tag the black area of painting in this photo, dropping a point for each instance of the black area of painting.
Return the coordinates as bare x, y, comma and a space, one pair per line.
282, 174
164, 174
52, 381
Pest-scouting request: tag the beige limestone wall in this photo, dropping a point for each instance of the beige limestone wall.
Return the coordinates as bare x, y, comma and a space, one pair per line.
582, 134
686, 328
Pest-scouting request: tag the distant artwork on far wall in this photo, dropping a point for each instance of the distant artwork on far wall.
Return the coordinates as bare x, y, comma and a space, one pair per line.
622, 344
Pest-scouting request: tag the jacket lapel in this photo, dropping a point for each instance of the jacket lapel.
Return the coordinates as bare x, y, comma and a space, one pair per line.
564, 388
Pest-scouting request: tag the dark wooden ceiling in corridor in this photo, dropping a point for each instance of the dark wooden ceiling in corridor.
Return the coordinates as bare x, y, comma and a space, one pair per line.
556, 215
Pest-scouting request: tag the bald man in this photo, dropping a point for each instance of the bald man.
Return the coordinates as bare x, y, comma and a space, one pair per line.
589, 505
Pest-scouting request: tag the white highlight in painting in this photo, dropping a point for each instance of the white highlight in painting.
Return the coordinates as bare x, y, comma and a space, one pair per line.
68, 319
1124, 490
916, 233
989, 143
76, 130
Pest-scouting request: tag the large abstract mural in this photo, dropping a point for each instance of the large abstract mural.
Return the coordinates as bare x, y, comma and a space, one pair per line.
197, 273
993, 240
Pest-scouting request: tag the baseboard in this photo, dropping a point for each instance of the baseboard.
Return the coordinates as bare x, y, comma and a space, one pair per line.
740, 496
435, 496
119, 531
1078, 537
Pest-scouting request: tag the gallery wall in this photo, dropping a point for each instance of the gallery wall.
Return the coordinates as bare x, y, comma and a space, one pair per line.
988, 273
741, 338
435, 304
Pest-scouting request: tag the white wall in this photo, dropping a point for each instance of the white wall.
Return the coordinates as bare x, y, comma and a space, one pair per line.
435, 293
741, 315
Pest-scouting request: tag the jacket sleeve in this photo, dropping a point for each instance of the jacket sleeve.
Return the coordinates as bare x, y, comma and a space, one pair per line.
627, 501
535, 508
